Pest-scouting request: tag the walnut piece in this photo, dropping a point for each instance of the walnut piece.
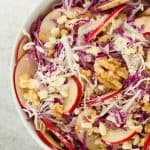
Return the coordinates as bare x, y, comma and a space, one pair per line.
58, 110
147, 128
146, 107
110, 72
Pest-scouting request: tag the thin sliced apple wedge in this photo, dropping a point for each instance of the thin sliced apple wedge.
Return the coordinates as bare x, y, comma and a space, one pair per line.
103, 98
118, 136
75, 94
105, 22
23, 66
48, 140
144, 20
48, 24
147, 143
19, 50
57, 134
111, 4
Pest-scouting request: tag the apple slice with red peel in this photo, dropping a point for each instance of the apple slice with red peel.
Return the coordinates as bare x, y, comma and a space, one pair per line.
52, 129
105, 22
112, 4
118, 136
147, 143
48, 140
103, 98
147, 35
19, 50
144, 20
23, 66
49, 24
74, 95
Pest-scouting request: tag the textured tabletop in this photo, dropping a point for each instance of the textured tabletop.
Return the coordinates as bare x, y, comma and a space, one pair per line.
13, 135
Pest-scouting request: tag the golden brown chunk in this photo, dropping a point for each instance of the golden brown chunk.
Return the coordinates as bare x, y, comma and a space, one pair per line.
110, 73
87, 73
147, 128
146, 107
51, 53
64, 32
58, 110
104, 38
42, 36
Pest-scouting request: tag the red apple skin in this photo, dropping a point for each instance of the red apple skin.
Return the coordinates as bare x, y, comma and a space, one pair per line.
22, 67
103, 98
121, 141
147, 35
19, 50
106, 20
14, 83
57, 134
42, 137
78, 97
147, 143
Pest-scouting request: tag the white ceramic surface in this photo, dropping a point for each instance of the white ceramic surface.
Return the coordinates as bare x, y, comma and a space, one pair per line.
12, 133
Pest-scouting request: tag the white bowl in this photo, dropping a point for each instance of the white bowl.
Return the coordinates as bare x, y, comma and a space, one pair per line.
41, 8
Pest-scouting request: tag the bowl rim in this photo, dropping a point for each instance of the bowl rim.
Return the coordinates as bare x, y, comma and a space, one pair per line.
40, 8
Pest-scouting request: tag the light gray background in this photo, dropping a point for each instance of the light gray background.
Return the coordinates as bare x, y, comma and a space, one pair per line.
13, 135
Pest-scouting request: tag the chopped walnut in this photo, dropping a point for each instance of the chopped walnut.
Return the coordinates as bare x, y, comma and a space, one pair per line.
147, 128
87, 73
110, 73
64, 32
51, 53
146, 107
58, 110
104, 38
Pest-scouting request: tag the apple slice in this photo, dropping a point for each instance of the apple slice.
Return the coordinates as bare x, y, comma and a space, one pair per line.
144, 20
146, 12
57, 134
118, 136
48, 24
23, 66
147, 143
103, 98
80, 130
111, 4
105, 22
19, 50
75, 94
48, 140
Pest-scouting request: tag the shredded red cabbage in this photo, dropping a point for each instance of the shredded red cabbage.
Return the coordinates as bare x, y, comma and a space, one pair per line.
35, 27
84, 141
120, 117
